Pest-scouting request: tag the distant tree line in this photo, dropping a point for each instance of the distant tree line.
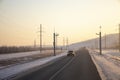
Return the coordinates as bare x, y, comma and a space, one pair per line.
14, 49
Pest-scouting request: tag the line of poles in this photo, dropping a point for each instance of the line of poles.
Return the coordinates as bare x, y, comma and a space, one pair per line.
55, 40
55, 35
100, 40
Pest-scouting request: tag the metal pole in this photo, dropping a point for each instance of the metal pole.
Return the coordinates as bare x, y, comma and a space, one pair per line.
119, 37
100, 44
40, 38
54, 44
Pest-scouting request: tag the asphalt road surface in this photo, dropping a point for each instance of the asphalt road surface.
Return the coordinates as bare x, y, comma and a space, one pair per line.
79, 67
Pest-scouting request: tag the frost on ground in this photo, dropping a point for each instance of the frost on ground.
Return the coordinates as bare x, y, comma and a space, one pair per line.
23, 54
108, 64
8, 73
7, 60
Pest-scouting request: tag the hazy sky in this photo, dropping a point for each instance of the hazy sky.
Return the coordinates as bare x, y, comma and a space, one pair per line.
78, 20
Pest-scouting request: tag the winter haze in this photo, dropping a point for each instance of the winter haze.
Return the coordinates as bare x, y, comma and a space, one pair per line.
77, 20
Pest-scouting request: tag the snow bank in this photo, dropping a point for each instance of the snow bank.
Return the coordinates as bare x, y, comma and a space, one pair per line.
106, 64
13, 70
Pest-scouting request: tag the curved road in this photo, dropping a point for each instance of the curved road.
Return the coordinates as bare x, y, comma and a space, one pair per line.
80, 67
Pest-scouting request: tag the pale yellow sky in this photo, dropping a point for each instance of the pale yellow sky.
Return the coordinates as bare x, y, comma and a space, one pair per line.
78, 20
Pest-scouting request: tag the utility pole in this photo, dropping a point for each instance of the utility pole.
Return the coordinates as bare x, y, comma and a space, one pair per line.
40, 38
119, 37
54, 43
100, 41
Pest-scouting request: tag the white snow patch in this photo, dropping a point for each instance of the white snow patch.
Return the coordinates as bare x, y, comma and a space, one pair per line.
107, 64
22, 54
13, 70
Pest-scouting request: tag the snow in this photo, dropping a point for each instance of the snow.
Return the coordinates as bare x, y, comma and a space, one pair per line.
13, 70
108, 64
21, 54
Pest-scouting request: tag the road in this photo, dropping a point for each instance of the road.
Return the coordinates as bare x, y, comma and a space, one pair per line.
79, 67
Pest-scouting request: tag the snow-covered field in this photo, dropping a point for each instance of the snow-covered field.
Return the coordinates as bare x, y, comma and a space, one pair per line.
22, 54
7, 60
12, 71
108, 64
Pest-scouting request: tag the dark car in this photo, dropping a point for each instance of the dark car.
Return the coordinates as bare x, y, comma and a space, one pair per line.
71, 53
